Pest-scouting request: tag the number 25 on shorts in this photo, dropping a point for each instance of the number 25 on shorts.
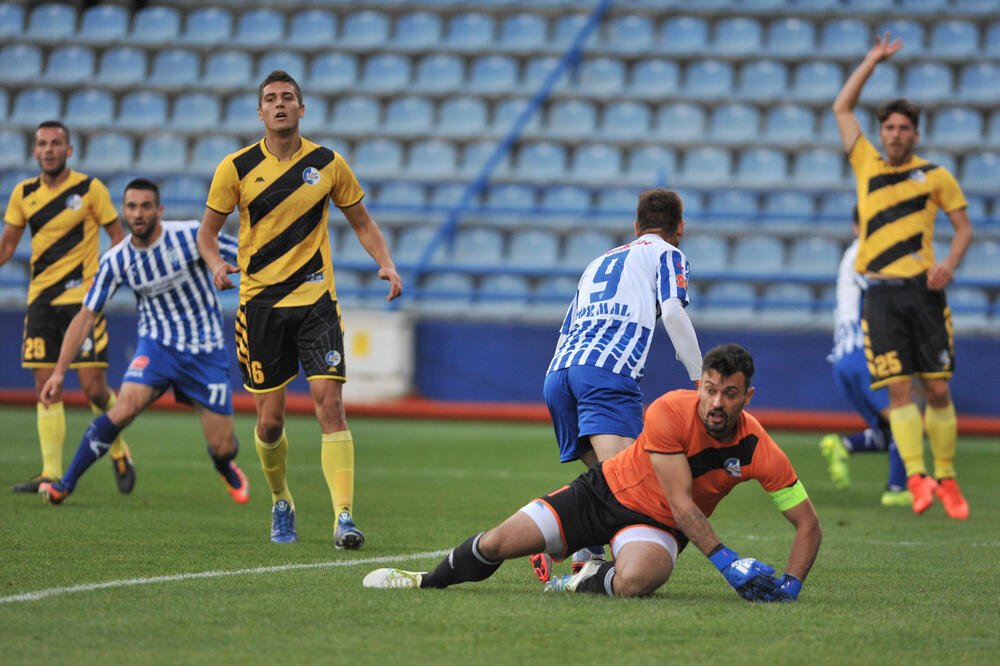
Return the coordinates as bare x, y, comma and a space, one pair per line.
887, 364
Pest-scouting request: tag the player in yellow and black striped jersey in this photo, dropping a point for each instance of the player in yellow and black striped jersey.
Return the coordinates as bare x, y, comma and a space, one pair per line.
906, 320
64, 210
288, 314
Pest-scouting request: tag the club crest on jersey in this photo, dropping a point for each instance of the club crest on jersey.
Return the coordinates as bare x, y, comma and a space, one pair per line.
310, 175
732, 466
918, 175
333, 358
74, 202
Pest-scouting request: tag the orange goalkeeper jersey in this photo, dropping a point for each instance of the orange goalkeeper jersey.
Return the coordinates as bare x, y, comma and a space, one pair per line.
672, 426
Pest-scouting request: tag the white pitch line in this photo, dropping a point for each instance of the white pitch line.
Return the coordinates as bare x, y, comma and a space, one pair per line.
89, 587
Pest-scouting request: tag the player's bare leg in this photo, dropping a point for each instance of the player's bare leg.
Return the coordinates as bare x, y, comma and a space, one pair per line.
222, 449
272, 449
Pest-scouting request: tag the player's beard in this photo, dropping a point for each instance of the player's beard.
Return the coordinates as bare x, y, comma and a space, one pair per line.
147, 232
52, 173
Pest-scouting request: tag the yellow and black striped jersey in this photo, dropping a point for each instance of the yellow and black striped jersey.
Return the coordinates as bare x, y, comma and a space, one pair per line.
897, 207
284, 245
64, 224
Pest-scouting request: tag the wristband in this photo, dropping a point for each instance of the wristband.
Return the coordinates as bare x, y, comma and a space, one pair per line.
722, 557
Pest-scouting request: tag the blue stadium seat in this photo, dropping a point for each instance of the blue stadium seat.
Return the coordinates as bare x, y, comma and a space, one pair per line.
762, 167
207, 26
924, 6
385, 73
763, 80
510, 203
477, 247
789, 305
439, 73
734, 123
142, 110
20, 63
680, 121
630, 33
475, 154
175, 68
601, 77
791, 37
523, 32
565, 205
365, 29
162, 153
708, 79
333, 72
155, 25
471, 31
4, 102
927, 81
980, 171
410, 244
625, 120
227, 70
991, 40
982, 261
120, 67
869, 6
378, 158
706, 254
108, 151
551, 295
462, 117
911, 32
650, 165
883, 84
312, 28
51, 22
501, 293
828, 132
814, 256
506, 114
835, 207
537, 71
89, 109
541, 160
845, 37
994, 128
957, 126
737, 36
596, 163
979, 82
433, 158
654, 78
11, 20
758, 254
208, 151
33, 105
970, 309
241, 114
736, 208
288, 61
707, 166
493, 74
534, 247
954, 39
585, 246
408, 115
566, 29
314, 119
399, 200
13, 151
789, 124
417, 31
817, 81
259, 27
726, 303
103, 24
942, 158
571, 119
684, 35
819, 167
619, 202
788, 209
69, 64
443, 294
355, 115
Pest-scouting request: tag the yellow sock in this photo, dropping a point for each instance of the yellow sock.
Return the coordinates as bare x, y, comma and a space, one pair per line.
908, 431
51, 437
273, 460
118, 447
942, 430
338, 468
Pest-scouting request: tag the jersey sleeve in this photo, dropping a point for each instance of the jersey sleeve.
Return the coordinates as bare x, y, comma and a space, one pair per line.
104, 285
672, 276
15, 213
102, 208
862, 152
663, 427
948, 194
224, 194
771, 466
228, 247
346, 190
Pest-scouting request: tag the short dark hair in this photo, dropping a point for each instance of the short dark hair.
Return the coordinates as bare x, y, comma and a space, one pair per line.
729, 359
659, 210
855, 217
899, 105
278, 75
144, 184
54, 123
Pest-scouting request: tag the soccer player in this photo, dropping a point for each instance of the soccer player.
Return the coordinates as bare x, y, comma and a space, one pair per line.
64, 209
650, 499
850, 373
180, 338
592, 384
288, 313
906, 320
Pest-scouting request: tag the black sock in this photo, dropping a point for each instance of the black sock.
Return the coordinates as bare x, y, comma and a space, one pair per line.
600, 582
464, 564
222, 466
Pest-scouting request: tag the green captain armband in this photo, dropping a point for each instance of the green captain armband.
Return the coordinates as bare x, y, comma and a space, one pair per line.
788, 497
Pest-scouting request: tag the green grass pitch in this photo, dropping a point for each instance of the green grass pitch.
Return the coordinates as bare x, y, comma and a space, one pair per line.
888, 586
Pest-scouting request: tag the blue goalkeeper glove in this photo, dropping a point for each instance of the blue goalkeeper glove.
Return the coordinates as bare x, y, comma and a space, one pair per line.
751, 579
788, 589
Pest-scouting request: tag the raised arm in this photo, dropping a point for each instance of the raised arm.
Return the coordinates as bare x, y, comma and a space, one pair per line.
843, 106
76, 333
208, 248
374, 243
942, 272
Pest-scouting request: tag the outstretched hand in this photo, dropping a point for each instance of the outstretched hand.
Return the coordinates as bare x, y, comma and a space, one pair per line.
884, 48
395, 282
220, 276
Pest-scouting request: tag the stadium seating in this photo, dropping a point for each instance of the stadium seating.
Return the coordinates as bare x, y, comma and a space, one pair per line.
630, 33
121, 67
142, 110
956, 126
259, 27
571, 119
762, 167
312, 28
680, 121
408, 115
478, 247
816, 81
981, 171
737, 36
543, 160
439, 73
565, 206
378, 158
789, 124
595, 163
882, 85
523, 32
814, 256
791, 37
788, 209
508, 111
927, 81
537, 72
493, 74
13, 150
208, 151
566, 29
155, 25
818, 167
107, 152
708, 79
734, 123
89, 109
51, 22
845, 37
206, 26
650, 166
226, 70
4, 102
979, 82
385, 73
625, 120
11, 20
654, 78
462, 117
471, 31
20, 63
763, 80
175, 68
162, 153
69, 65
787, 305
533, 248
601, 77
731, 207
475, 155
288, 61
501, 294
33, 105
684, 35
432, 158
954, 39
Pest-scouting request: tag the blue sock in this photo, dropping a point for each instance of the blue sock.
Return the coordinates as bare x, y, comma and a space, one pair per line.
897, 470
222, 466
865, 441
95, 443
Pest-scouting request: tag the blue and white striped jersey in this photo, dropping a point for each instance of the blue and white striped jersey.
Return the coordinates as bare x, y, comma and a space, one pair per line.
618, 299
174, 293
851, 285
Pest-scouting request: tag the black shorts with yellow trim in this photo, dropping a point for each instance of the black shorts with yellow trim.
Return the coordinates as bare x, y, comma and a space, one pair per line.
271, 343
908, 331
44, 329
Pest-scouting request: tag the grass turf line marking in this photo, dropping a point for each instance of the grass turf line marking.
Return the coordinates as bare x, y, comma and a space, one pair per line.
90, 587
